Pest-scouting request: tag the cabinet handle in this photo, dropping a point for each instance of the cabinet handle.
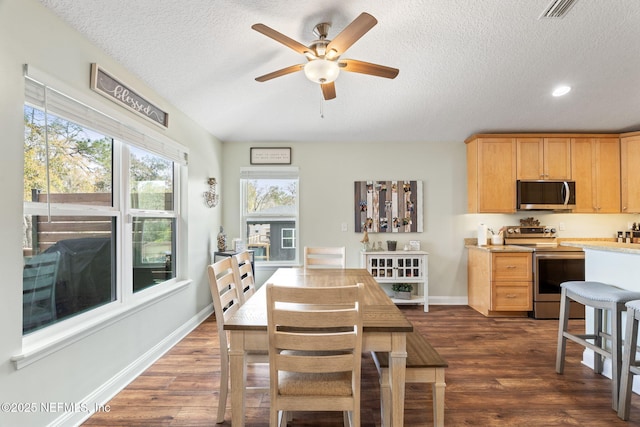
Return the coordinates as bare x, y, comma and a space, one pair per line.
511, 266
511, 295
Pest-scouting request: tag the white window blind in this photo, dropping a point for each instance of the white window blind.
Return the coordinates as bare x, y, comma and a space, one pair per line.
59, 104
269, 173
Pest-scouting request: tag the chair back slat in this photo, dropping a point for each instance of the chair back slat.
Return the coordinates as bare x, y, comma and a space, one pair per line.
324, 257
245, 273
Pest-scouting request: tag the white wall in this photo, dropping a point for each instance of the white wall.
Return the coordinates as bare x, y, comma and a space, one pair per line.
328, 171
30, 34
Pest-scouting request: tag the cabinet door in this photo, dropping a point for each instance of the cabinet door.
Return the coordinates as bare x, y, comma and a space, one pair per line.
380, 266
496, 175
630, 172
557, 158
595, 167
582, 171
409, 267
530, 157
544, 158
513, 296
515, 266
607, 175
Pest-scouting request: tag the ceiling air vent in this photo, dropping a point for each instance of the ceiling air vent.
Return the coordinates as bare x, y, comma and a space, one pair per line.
557, 9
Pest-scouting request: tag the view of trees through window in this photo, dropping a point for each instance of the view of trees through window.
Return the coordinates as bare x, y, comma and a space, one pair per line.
70, 252
271, 207
80, 160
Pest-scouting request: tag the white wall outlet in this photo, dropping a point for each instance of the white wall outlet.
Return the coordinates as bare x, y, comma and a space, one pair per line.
561, 226
344, 226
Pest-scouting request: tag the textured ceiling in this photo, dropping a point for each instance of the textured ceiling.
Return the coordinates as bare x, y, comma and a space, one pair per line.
466, 66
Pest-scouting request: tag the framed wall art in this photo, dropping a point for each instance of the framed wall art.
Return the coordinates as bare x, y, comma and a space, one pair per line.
270, 156
388, 206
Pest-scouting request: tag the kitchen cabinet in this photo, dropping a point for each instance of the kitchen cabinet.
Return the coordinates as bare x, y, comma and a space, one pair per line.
543, 158
500, 284
389, 267
595, 167
491, 174
630, 172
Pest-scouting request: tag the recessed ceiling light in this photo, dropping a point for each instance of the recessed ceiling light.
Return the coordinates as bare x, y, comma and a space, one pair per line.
561, 90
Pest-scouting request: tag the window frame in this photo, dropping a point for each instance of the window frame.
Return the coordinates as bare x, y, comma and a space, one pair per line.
269, 173
44, 341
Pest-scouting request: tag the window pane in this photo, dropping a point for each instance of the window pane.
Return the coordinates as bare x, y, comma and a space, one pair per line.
153, 248
151, 179
265, 248
272, 197
69, 266
80, 161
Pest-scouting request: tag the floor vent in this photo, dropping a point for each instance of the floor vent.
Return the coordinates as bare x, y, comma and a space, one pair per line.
557, 9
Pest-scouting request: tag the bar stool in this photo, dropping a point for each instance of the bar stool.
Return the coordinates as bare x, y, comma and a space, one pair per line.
630, 365
601, 297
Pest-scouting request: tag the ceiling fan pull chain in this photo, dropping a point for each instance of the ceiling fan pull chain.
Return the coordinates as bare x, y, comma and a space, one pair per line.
322, 107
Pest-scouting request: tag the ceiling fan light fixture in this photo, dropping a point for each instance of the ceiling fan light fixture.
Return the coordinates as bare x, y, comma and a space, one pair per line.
321, 71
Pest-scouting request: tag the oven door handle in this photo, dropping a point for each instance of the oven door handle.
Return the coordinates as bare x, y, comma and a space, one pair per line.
559, 255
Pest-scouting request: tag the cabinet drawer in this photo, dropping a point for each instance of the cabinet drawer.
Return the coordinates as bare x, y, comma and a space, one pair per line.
512, 266
513, 297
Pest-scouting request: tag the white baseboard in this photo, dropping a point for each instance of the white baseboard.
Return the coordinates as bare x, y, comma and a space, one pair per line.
108, 390
433, 300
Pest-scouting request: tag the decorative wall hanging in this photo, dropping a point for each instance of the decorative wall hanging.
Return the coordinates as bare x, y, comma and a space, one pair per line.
211, 198
270, 156
107, 86
388, 206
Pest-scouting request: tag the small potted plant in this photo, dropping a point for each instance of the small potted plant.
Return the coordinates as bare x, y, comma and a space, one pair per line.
402, 290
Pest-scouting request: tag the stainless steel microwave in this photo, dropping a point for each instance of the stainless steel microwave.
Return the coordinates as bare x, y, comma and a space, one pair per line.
546, 195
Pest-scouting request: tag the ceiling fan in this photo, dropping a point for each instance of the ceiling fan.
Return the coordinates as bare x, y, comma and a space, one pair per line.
323, 55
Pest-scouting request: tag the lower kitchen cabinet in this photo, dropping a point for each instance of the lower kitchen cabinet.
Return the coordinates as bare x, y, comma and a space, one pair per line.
500, 283
390, 267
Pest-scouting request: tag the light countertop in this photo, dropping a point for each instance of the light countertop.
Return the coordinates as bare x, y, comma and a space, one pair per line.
500, 248
629, 248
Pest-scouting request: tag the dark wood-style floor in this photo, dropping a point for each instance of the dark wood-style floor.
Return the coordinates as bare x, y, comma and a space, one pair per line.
501, 373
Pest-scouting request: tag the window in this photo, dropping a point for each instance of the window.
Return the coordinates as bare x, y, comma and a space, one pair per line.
288, 238
270, 214
99, 207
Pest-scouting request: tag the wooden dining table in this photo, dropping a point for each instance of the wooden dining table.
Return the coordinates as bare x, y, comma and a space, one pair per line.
384, 330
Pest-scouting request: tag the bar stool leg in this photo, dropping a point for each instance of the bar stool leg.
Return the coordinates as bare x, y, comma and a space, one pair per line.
616, 352
564, 323
629, 358
598, 359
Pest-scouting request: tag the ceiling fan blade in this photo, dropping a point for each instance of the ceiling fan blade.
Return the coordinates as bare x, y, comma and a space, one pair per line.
328, 90
279, 73
356, 29
281, 38
362, 67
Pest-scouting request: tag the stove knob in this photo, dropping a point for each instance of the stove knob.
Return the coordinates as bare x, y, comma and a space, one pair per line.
552, 230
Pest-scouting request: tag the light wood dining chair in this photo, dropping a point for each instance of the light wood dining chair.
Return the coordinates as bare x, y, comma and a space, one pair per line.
314, 350
245, 273
324, 257
225, 286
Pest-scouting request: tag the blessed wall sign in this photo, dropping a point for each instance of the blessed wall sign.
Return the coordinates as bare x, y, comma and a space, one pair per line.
106, 85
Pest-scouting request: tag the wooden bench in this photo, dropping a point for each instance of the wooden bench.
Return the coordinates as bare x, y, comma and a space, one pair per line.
424, 365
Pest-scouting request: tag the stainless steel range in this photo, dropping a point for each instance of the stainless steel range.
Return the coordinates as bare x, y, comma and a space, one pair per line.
552, 265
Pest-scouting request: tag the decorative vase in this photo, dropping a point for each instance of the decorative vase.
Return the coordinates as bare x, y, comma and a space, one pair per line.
222, 240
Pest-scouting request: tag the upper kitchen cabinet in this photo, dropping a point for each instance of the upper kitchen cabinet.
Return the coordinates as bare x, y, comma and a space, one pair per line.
491, 174
595, 168
630, 174
543, 158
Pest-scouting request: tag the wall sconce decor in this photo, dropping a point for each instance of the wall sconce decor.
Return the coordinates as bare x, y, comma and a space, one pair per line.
210, 196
